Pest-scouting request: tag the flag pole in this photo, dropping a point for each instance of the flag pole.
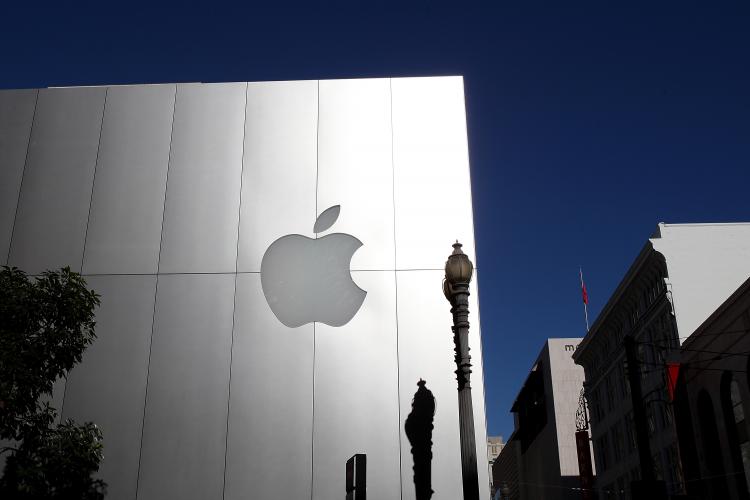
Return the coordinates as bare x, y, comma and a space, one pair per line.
585, 298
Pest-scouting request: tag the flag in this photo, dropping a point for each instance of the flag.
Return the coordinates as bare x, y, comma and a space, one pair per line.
585, 296
584, 293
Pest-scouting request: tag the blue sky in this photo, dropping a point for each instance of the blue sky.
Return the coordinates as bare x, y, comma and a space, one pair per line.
589, 122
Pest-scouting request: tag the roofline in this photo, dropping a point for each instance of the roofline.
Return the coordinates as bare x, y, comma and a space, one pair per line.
648, 248
645, 252
142, 84
741, 290
534, 364
699, 224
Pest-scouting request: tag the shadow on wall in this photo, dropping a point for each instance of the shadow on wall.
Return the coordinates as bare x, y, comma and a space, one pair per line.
418, 427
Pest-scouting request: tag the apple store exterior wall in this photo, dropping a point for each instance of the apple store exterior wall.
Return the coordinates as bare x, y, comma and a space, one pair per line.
177, 201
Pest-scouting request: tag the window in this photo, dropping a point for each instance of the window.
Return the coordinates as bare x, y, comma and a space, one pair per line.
624, 382
630, 432
642, 358
650, 421
660, 351
610, 386
593, 397
602, 450
709, 433
666, 416
605, 350
675, 466
635, 473
657, 466
617, 442
734, 417
599, 406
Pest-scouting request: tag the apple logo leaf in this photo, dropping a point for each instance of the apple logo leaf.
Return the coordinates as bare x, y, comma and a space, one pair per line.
327, 219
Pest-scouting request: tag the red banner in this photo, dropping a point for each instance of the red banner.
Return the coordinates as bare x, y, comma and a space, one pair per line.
673, 372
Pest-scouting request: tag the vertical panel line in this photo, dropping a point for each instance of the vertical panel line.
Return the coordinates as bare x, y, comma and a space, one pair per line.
312, 427
156, 292
88, 218
93, 181
234, 299
23, 175
395, 281
317, 156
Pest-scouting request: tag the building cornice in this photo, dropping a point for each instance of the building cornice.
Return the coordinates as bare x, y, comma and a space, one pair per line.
614, 300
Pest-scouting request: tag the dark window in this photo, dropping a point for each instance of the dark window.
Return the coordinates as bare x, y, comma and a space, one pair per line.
624, 383
675, 468
635, 473
530, 408
630, 432
609, 384
711, 447
734, 420
650, 421
602, 451
598, 408
617, 442
657, 466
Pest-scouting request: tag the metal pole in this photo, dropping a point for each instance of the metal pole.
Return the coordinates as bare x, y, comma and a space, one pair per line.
460, 328
460, 312
458, 272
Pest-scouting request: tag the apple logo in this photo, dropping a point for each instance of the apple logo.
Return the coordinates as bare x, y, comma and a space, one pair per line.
306, 280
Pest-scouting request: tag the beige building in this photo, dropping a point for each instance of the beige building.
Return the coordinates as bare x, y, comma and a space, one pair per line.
495, 445
542, 461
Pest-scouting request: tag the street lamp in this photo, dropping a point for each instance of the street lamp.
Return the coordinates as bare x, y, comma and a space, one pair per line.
458, 271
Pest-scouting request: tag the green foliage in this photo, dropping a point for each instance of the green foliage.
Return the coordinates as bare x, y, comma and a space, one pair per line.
56, 463
46, 323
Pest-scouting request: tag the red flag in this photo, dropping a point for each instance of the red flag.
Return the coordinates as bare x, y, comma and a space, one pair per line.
585, 295
673, 371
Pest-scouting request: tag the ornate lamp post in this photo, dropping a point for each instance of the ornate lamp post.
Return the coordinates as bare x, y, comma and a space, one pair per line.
458, 271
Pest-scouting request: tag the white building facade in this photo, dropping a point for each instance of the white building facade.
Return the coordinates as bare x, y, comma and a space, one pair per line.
168, 197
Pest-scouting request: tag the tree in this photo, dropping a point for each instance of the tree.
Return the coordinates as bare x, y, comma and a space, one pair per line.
46, 323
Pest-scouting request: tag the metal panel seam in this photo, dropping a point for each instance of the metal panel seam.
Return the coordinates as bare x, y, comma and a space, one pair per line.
23, 174
93, 182
312, 427
156, 291
88, 217
395, 284
234, 299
